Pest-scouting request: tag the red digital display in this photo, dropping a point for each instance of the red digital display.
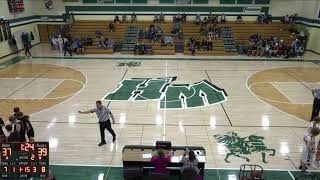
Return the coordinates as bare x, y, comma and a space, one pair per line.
24, 160
16, 5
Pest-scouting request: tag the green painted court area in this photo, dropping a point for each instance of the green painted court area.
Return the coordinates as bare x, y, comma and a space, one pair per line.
115, 173
203, 93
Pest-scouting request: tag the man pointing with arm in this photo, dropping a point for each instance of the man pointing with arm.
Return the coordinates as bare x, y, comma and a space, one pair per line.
104, 120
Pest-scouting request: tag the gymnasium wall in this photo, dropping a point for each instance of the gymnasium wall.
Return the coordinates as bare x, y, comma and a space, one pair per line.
309, 13
4, 46
33, 8
283, 7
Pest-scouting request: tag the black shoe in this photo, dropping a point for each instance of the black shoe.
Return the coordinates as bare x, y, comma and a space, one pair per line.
114, 139
102, 143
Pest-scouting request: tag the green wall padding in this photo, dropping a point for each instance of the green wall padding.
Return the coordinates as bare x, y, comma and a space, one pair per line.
262, 1
90, 1
109, 9
244, 1
140, 1
122, 1
227, 1
166, 1
200, 1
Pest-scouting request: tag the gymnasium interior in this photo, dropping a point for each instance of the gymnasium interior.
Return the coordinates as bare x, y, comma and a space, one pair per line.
160, 89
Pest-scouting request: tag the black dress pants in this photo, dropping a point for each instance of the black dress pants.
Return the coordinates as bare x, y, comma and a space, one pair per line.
103, 126
315, 108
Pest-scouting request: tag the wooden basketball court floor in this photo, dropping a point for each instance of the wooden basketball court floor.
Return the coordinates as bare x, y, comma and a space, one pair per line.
266, 107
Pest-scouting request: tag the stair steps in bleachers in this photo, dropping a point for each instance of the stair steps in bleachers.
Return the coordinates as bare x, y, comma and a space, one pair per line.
229, 43
129, 40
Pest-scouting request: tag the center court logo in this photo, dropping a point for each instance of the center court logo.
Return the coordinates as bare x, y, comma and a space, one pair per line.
168, 95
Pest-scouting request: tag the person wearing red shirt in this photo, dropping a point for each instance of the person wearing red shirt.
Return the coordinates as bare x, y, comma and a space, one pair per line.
160, 162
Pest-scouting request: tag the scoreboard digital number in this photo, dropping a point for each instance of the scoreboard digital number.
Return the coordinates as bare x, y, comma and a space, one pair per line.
24, 160
16, 5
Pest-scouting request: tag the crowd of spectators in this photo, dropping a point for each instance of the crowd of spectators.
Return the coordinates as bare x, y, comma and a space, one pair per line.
273, 47
104, 42
208, 33
264, 19
213, 19
142, 48
199, 45
288, 19
69, 45
153, 33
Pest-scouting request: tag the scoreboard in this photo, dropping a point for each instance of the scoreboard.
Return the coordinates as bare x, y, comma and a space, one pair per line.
24, 160
16, 5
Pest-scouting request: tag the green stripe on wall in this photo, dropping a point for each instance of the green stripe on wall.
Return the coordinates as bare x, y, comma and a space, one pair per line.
166, 1
90, 1
156, 8
244, 1
200, 1
227, 1
140, 1
262, 2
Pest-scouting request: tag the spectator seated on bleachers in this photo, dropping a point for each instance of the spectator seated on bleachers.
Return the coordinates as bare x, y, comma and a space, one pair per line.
239, 19
124, 18
197, 20
177, 18
98, 34
204, 21
204, 45
261, 18
166, 40
264, 19
292, 18
184, 17
133, 18
153, 33
142, 49
272, 47
88, 41
285, 19
269, 19
111, 27
156, 19
176, 28
223, 18
77, 46
210, 32
254, 38
116, 19
242, 49
108, 43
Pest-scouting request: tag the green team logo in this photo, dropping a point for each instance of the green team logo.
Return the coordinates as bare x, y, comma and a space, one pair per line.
168, 95
240, 147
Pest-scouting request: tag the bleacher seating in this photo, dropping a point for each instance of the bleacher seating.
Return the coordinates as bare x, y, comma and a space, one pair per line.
240, 33
156, 47
88, 28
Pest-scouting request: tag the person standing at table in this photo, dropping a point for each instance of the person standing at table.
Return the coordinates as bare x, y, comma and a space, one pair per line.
104, 120
190, 162
160, 162
316, 103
